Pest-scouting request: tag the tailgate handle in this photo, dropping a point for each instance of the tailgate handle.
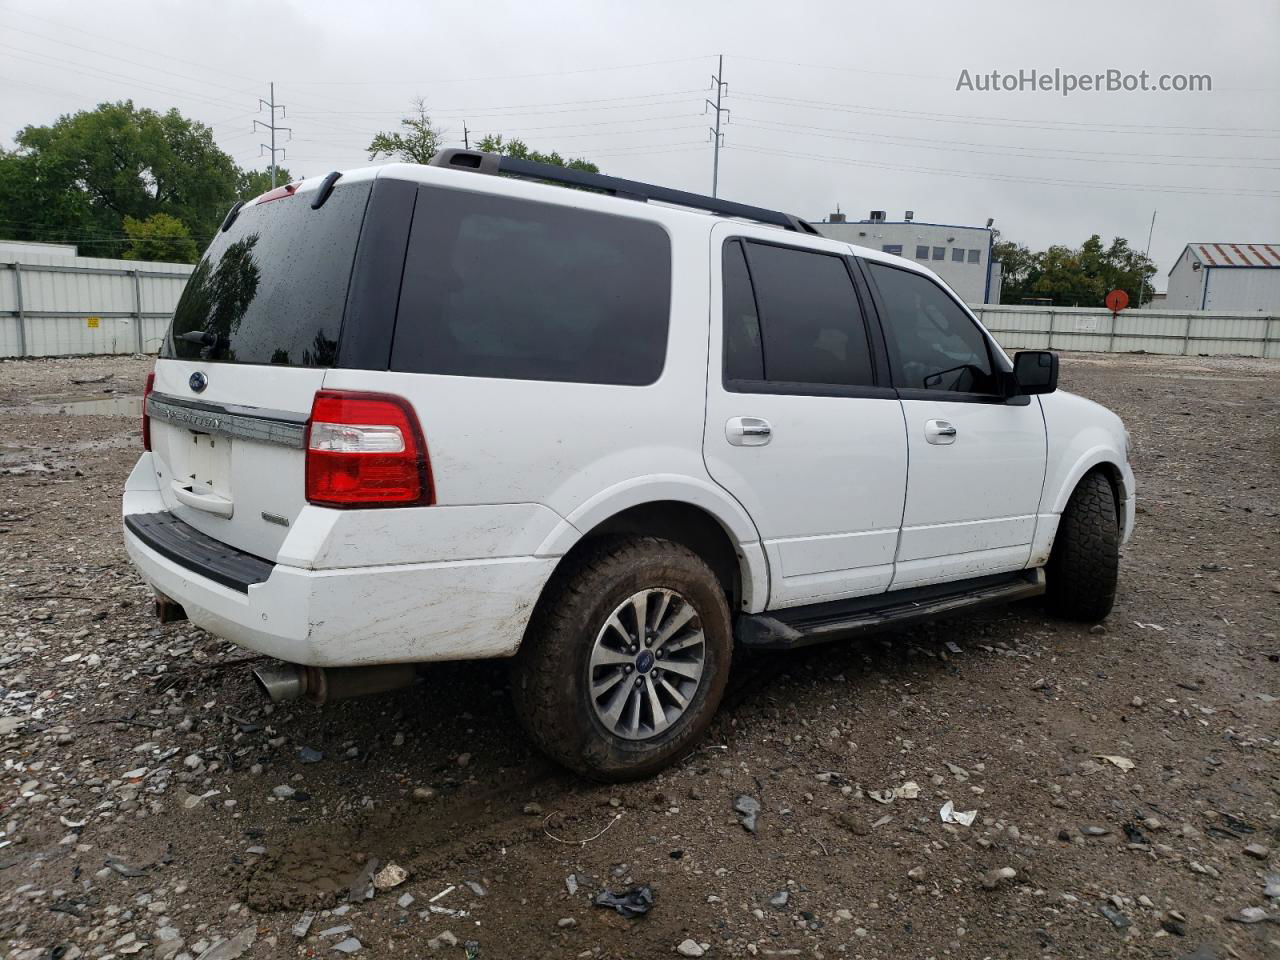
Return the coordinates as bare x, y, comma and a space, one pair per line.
208, 502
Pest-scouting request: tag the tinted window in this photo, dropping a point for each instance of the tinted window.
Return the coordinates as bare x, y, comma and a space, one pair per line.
272, 289
496, 287
743, 357
933, 344
811, 321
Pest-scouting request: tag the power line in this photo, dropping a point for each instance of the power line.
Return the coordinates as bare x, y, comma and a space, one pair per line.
509, 76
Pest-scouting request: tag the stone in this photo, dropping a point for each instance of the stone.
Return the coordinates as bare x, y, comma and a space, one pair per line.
564, 923
533, 809
992, 878
233, 948
917, 874
390, 876
779, 900
1258, 851
283, 792
443, 939
749, 808
423, 794
689, 948
349, 945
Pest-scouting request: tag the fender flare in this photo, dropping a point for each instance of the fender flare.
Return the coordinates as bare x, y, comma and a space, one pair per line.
706, 496
1095, 456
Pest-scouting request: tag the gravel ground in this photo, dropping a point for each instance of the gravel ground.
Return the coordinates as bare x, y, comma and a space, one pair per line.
1125, 777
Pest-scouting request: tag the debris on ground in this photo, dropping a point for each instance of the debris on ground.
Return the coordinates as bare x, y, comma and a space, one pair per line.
950, 814
634, 902
749, 808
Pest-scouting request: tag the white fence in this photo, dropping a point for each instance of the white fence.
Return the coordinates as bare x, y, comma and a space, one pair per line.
69, 306
1183, 333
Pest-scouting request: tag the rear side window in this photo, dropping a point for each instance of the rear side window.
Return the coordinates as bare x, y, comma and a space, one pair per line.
810, 321
498, 287
272, 288
933, 344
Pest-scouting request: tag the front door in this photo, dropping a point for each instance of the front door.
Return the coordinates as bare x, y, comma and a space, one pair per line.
802, 427
977, 459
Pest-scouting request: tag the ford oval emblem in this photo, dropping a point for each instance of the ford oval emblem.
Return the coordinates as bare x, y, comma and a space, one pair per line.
198, 382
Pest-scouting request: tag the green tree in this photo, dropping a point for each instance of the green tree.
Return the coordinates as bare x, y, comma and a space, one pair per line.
254, 183
159, 237
495, 143
78, 178
418, 142
1074, 277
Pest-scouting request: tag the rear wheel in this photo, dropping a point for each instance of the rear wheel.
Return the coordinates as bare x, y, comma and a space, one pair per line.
626, 658
1085, 563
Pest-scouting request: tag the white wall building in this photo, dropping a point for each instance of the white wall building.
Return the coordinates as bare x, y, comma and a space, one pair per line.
959, 255
1226, 276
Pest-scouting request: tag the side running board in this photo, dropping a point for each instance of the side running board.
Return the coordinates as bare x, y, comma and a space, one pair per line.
841, 619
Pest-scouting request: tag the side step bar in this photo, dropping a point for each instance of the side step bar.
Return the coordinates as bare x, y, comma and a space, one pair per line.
823, 622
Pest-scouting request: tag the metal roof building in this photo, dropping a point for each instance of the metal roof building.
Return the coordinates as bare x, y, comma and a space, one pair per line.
1226, 276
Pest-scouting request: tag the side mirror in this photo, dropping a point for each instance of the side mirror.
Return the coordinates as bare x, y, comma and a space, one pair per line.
1035, 371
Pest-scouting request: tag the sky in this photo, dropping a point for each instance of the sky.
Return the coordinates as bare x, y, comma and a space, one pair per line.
857, 105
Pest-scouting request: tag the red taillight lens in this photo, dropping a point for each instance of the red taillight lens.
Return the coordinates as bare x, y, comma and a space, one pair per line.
146, 421
366, 450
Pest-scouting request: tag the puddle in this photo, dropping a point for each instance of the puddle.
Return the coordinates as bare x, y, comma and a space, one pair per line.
106, 407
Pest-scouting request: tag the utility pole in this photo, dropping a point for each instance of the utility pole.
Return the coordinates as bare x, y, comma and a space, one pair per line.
273, 107
1142, 281
717, 138
466, 137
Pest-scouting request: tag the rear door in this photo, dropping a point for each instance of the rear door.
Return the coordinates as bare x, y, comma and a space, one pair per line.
256, 328
802, 427
977, 459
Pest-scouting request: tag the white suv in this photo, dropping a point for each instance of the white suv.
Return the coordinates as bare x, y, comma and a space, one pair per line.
423, 413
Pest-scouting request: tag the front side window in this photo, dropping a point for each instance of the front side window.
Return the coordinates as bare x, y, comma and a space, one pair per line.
516, 289
810, 323
933, 343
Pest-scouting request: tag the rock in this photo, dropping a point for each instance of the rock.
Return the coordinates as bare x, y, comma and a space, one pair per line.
349, 945
533, 809
478, 889
1253, 915
564, 923
689, 948
992, 878
843, 916
1118, 919
443, 939
916, 873
308, 755
392, 875
464, 759
1092, 831
423, 794
283, 792
1175, 927
779, 900
233, 948
405, 901
1258, 851
749, 808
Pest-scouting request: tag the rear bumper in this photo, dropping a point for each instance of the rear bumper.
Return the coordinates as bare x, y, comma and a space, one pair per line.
397, 613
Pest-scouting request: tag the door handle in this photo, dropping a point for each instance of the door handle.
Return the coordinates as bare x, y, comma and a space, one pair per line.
939, 431
208, 502
748, 431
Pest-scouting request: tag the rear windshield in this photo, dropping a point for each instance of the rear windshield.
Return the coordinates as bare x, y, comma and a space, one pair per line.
272, 289
499, 287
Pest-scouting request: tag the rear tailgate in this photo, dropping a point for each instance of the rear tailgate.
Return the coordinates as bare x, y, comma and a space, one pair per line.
257, 327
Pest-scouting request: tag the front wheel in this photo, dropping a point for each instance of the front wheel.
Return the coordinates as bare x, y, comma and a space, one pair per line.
625, 660
1084, 566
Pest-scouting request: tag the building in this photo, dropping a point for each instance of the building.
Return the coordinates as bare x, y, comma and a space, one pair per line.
959, 255
1226, 276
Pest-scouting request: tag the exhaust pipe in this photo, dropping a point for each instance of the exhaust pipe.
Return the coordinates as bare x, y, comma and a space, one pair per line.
291, 681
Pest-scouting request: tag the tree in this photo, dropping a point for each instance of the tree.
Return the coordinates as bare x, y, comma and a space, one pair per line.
77, 179
1074, 277
253, 183
419, 142
494, 143
159, 237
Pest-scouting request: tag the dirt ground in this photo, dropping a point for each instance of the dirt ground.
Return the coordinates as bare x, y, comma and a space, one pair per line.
153, 806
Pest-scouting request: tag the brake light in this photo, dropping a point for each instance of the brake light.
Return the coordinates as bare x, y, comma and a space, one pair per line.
146, 421
279, 193
366, 450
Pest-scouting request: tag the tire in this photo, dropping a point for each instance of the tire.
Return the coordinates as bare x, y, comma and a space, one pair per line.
1085, 563
577, 638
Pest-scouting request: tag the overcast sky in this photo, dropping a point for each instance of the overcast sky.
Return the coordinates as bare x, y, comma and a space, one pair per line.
848, 103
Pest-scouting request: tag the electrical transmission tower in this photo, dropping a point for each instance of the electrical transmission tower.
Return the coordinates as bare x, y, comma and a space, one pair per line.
273, 127
717, 138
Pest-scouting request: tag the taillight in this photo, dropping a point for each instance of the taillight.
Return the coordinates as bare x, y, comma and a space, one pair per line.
366, 450
146, 421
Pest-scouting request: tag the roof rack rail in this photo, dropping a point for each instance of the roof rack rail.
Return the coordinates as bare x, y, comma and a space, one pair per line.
492, 163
